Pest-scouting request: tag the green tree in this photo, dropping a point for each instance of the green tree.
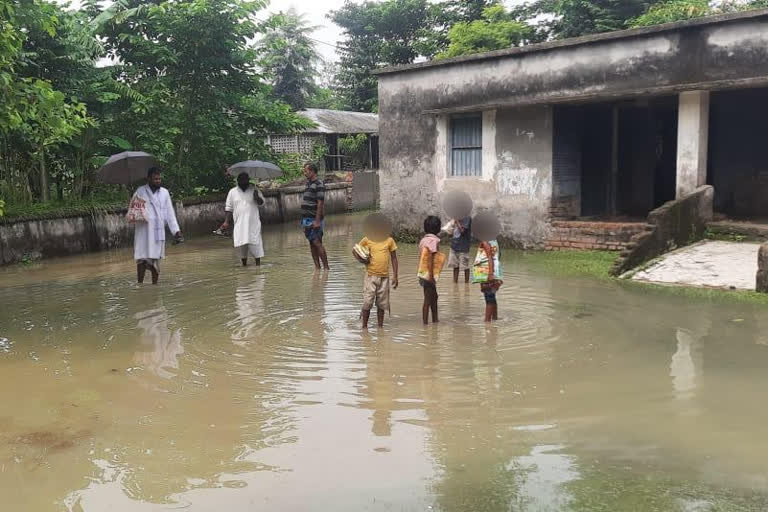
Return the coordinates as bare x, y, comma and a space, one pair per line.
496, 30
199, 104
679, 10
326, 86
445, 15
388, 33
35, 118
674, 10
290, 58
573, 18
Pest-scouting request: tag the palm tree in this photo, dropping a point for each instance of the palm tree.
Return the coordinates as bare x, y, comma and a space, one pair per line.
290, 58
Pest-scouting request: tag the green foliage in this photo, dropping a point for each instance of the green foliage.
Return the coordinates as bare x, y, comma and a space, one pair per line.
292, 164
444, 16
569, 263
186, 88
323, 97
290, 58
355, 148
495, 31
353, 143
200, 104
679, 10
559, 19
2, 207
377, 34
673, 10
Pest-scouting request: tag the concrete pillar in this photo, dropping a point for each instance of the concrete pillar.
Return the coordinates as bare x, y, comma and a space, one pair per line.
613, 192
692, 141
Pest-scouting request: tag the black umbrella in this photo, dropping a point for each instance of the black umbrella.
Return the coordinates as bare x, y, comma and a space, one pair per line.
126, 167
256, 170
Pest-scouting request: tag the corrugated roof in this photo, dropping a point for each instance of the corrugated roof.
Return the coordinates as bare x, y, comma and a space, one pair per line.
340, 121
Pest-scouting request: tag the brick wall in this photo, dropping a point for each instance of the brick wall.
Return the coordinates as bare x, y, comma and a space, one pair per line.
585, 235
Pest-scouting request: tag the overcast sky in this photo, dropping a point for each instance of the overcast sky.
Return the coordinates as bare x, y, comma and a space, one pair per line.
316, 10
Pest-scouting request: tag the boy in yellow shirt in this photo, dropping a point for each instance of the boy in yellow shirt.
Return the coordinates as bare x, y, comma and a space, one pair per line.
382, 250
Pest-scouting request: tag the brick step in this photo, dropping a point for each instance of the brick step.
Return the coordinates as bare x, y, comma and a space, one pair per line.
589, 235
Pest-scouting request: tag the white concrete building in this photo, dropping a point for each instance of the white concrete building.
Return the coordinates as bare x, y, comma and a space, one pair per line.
570, 134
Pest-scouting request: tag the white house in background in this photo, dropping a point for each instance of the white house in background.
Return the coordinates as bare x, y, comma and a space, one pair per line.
329, 127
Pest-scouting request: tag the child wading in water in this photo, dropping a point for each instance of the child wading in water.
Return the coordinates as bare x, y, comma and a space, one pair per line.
431, 262
381, 249
487, 271
458, 259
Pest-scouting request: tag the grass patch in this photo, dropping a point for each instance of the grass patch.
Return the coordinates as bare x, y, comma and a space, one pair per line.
595, 264
697, 293
55, 210
728, 236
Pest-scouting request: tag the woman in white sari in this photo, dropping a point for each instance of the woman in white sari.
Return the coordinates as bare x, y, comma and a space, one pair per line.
149, 237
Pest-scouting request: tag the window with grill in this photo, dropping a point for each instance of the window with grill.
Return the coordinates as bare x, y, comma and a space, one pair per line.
306, 143
284, 143
467, 145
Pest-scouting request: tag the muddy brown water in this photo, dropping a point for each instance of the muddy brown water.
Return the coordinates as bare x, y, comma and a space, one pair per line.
254, 389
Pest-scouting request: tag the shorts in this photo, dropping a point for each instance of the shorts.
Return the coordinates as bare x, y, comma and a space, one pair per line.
312, 233
427, 284
375, 289
489, 291
458, 260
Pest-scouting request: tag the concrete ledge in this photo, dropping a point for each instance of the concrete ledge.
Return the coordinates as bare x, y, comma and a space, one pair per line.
675, 224
44, 237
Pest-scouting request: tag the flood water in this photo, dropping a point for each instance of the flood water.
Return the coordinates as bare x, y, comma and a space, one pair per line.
236, 389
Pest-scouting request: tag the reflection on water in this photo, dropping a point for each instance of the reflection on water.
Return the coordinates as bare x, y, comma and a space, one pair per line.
249, 305
230, 388
160, 347
683, 369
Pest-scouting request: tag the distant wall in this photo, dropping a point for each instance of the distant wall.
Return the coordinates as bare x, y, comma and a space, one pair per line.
675, 224
365, 190
45, 238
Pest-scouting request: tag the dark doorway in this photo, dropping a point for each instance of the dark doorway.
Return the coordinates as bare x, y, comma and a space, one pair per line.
647, 160
596, 160
738, 152
614, 159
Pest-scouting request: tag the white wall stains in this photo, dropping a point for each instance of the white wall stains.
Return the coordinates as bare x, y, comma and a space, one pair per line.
749, 34
522, 181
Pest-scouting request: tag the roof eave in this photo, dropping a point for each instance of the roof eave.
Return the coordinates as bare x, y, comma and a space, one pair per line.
576, 41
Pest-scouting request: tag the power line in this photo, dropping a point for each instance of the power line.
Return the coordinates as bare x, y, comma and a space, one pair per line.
323, 42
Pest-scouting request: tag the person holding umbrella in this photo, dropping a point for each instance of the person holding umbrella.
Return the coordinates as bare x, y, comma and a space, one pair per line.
150, 209
242, 209
149, 236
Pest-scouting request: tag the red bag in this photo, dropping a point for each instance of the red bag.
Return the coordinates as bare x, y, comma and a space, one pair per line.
136, 210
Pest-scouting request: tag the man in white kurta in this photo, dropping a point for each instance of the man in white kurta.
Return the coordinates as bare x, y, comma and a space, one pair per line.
149, 237
242, 209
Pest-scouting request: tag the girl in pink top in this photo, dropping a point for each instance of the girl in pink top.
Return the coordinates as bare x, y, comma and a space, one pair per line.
430, 264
